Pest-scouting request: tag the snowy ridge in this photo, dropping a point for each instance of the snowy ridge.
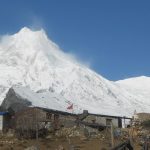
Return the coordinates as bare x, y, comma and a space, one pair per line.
29, 59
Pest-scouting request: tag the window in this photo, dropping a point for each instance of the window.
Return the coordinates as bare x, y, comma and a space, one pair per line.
48, 116
108, 121
56, 117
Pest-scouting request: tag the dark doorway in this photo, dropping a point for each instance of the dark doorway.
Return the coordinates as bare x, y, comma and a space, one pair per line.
119, 122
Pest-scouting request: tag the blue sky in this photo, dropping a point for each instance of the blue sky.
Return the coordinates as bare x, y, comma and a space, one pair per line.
112, 35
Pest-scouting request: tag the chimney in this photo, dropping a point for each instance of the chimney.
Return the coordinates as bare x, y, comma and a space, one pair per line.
85, 112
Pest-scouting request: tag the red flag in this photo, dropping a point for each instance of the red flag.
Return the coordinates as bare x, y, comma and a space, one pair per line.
70, 107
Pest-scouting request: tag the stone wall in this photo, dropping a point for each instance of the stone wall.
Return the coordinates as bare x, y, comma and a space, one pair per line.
142, 116
101, 120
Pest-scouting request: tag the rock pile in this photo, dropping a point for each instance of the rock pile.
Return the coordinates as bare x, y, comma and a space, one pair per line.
68, 132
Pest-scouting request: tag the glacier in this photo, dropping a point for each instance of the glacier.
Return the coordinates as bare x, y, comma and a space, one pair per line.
30, 59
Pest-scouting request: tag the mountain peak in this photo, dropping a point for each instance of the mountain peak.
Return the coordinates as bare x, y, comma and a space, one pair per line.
26, 30
27, 34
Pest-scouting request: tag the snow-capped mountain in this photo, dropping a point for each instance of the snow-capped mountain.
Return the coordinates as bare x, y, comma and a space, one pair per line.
139, 87
28, 58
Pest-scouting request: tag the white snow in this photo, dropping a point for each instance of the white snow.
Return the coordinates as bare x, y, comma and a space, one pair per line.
29, 59
43, 99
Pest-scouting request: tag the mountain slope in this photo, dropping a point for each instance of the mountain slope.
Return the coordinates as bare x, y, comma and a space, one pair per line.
28, 58
139, 87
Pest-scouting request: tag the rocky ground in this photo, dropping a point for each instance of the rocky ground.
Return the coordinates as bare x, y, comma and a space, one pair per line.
73, 139
60, 143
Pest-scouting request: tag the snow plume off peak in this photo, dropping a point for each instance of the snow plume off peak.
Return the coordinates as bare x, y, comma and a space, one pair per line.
27, 44
29, 59
29, 39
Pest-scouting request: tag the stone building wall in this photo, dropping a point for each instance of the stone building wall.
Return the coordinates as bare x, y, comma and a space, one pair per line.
142, 116
101, 120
